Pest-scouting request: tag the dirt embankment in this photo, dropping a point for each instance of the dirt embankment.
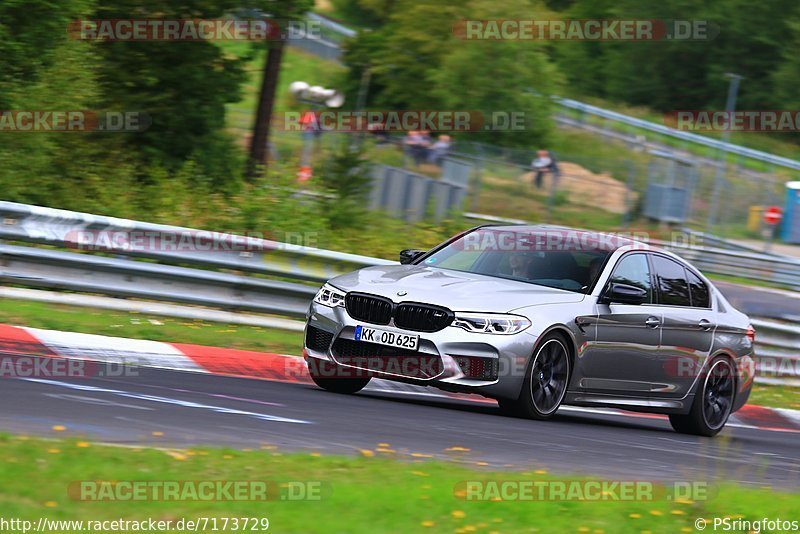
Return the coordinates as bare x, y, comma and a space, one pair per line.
584, 187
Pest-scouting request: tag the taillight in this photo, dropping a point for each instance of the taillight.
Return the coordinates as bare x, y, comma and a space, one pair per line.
751, 333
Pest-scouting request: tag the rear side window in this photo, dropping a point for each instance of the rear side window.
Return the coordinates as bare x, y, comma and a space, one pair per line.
698, 291
673, 289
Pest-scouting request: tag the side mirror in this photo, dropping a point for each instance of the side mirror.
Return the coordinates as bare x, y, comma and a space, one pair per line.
409, 255
623, 294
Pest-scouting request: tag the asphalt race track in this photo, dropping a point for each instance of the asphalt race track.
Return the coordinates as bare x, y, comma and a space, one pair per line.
200, 409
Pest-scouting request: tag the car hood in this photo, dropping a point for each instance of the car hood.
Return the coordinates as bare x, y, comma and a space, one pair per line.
456, 290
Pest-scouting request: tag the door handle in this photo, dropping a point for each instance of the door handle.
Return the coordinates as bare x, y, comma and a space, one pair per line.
652, 322
705, 324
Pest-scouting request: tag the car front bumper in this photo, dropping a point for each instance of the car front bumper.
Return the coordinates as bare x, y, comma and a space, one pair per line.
508, 354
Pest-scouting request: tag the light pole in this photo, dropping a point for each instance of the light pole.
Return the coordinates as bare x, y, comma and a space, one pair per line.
730, 107
317, 97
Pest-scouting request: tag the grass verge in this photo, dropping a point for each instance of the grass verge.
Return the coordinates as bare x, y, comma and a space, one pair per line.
373, 493
776, 396
141, 326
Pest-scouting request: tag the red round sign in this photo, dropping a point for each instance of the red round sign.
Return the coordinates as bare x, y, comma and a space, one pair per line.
773, 215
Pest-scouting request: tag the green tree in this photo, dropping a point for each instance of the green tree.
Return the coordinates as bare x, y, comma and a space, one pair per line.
499, 78
365, 12
417, 62
30, 32
183, 86
752, 42
787, 77
668, 75
283, 11
44, 70
345, 178
406, 50
584, 63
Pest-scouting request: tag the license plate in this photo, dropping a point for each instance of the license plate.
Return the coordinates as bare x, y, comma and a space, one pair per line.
386, 337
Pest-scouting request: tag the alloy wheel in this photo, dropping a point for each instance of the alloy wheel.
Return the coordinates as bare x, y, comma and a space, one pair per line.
718, 394
549, 375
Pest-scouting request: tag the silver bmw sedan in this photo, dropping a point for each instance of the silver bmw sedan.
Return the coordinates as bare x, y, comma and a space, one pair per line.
536, 317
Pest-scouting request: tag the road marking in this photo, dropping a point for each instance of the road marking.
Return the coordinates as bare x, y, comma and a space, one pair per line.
95, 401
167, 400
208, 394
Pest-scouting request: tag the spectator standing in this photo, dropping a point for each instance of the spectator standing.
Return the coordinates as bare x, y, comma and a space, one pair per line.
416, 146
439, 150
544, 162
423, 146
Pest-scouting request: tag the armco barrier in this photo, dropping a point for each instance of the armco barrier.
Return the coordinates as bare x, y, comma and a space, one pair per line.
62, 228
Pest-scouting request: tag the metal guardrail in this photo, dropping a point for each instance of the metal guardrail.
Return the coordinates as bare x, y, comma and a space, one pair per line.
711, 241
216, 286
677, 134
326, 45
777, 349
128, 278
331, 25
319, 47
69, 229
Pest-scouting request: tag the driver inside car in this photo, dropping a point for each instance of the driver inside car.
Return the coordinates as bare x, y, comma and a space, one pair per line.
520, 264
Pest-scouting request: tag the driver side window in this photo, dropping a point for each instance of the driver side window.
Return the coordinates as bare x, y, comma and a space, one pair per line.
634, 270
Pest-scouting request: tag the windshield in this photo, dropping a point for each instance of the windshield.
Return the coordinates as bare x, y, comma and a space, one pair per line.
546, 258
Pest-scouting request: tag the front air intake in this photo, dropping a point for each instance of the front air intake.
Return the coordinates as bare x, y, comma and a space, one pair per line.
368, 308
422, 317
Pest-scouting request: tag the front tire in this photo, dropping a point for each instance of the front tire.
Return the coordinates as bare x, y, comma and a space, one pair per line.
332, 377
713, 402
546, 380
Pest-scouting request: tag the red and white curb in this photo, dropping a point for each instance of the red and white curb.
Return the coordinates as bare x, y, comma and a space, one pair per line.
25, 341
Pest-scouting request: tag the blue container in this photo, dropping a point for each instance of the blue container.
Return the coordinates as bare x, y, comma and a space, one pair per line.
790, 225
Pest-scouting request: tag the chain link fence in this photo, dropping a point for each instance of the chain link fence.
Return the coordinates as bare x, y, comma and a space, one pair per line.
603, 192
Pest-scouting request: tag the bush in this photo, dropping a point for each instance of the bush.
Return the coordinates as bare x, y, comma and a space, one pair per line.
346, 182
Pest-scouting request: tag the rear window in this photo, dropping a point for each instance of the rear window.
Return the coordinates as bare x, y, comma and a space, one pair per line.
673, 290
698, 291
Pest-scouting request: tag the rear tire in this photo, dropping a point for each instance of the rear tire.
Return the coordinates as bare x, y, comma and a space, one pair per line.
713, 401
331, 377
545, 384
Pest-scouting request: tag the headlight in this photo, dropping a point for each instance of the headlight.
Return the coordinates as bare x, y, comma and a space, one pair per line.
491, 323
329, 296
